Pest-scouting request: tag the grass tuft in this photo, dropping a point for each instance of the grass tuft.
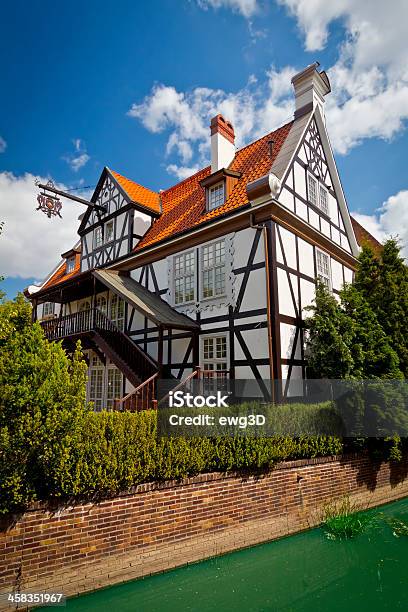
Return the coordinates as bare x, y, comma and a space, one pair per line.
342, 521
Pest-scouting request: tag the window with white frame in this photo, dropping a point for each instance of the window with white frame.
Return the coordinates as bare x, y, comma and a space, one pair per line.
184, 277
70, 266
323, 268
109, 230
48, 309
312, 185
318, 195
101, 304
97, 237
323, 199
216, 196
117, 311
114, 386
95, 385
213, 269
215, 354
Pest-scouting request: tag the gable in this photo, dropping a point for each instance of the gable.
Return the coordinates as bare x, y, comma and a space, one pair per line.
314, 158
107, 194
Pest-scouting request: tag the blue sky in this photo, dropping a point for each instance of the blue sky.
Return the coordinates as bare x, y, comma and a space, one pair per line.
74, 70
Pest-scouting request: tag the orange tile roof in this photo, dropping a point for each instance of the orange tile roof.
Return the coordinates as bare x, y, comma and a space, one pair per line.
138, 193
363, 236
60, 276
183, 206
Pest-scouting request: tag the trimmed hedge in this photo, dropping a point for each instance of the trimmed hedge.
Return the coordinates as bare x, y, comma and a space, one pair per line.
109, 452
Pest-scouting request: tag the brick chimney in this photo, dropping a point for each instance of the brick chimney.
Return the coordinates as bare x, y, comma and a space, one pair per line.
310, 87
222, 143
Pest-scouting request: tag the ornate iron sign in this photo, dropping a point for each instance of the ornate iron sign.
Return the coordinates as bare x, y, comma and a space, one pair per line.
49, 204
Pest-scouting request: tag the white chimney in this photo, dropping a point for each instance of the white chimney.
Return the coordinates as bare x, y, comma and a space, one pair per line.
310, 87
222, 143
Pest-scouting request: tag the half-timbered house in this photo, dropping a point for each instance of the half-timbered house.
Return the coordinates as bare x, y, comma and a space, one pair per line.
213, 273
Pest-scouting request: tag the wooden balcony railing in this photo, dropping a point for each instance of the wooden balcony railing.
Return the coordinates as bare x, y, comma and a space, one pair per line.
110, 336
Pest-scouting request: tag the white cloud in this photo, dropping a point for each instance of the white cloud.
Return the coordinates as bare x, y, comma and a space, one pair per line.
391, 219
3, 145
31, 244
182, 172
254, 110
370, 78
247, 8
79, 158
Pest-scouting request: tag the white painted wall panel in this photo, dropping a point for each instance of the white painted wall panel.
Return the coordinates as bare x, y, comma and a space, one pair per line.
300, 181
289, 247
284, 295
306, 258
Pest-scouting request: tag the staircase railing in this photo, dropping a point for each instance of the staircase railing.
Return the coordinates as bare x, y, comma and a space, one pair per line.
141, 398
93, 320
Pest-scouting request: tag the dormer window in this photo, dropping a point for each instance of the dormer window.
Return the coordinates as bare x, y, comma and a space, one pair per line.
70, 267
216, 195
218, 187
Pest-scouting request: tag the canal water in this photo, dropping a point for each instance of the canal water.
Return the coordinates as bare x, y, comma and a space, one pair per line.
301, 573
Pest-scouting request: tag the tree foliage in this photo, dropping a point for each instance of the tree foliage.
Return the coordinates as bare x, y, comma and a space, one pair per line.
42, 396
382, 278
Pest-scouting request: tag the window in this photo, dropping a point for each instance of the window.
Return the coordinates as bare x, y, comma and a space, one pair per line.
318, 194
70, 264
96, 372
214, 271
97, 237
215, 196
84, 305
323, 268
117, 311
215, 354
101, 304
114, 386
323, 199
48, 309
109, 231
184, 272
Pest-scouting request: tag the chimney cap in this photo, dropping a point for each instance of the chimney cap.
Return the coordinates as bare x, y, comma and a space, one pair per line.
309, 71
222, 126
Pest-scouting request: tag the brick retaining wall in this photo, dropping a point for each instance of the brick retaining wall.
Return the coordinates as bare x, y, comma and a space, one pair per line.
159, 526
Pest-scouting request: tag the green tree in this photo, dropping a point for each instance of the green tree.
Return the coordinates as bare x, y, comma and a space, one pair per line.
382, 278
345, 339
329, 338
42, 397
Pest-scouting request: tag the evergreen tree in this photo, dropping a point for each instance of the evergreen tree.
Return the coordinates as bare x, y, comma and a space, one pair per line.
383, 280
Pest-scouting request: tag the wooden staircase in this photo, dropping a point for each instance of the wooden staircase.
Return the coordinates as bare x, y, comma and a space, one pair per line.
94, 325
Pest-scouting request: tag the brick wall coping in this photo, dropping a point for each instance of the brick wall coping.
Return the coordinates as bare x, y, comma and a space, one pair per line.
54, 506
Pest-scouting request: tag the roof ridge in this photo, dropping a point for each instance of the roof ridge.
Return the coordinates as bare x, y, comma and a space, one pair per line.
133, 181
186, 179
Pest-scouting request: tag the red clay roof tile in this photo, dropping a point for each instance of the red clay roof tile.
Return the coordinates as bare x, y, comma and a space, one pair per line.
138, 193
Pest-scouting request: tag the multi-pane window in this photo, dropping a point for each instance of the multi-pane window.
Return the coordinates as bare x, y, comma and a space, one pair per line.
96, 372
318, 194
323, 268
109, 231
114, 386
48, 309
184, 268
97, 237
215, 354
214, 270
215, 196
312, 184
323, 200
70, 264
101, 304
117, 311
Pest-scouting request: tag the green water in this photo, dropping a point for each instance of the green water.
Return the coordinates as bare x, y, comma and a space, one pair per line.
305, 572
